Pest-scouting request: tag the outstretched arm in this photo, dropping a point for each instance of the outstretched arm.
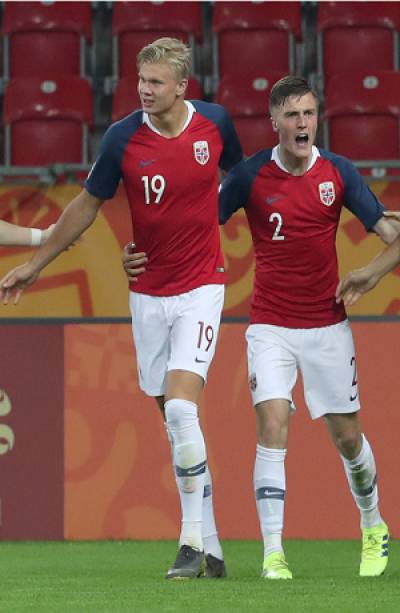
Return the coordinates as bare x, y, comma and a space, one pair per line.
77, 217
13, 235
360, 281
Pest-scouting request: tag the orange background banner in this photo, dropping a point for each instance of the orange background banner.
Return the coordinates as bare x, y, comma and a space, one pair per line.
88, 280
118, 476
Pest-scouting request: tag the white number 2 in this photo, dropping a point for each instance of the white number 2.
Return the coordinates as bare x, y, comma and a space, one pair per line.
153, 188
277, 217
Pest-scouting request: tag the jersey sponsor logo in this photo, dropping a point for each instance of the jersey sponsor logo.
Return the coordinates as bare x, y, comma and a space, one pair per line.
201, 152
327, 193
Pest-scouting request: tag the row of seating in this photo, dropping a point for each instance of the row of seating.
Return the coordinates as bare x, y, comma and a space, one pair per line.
361, 118
43, 38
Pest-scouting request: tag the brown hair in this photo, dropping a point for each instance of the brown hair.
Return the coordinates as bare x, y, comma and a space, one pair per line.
289, 86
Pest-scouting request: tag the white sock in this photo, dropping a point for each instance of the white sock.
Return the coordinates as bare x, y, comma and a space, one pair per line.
270, 489
190, 465
361, 475
209, 529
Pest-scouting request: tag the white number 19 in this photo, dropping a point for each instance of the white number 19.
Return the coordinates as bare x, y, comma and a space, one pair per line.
153, 188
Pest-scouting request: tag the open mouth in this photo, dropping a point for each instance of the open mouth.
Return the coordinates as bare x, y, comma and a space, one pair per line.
302, 139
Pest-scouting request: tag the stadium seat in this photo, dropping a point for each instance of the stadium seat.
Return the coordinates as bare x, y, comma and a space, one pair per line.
356, 35
126, 98
42, 38
46, 121
246, 98
136, 24
362, 116
260, 35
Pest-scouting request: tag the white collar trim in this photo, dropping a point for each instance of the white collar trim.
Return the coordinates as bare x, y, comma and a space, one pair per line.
315, 154
190, 108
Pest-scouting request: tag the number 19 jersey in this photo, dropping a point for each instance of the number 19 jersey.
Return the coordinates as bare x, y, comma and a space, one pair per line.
172, 190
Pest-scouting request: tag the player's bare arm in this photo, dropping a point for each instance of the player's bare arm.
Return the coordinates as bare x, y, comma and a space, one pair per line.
388, 226
76, 218
134, 263
362, 280
13, 235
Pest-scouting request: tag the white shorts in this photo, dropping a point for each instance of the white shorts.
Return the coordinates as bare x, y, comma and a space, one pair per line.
325, 357
175, 333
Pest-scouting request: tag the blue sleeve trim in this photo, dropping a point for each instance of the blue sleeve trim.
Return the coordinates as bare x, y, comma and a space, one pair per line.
105, 175
358, 197
236, 187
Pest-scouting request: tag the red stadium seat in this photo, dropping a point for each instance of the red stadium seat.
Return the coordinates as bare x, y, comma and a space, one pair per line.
42, 38
246, 98
46, 121
356, 35
362, 115
126, 98
136, 24
260, 35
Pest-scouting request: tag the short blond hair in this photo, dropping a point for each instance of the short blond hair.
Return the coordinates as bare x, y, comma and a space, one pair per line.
170, 50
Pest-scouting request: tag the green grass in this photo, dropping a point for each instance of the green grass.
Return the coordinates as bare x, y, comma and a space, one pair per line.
119, 576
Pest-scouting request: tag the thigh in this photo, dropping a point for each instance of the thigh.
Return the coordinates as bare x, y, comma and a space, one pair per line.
194, 331
328, 365
271, 363
150, 331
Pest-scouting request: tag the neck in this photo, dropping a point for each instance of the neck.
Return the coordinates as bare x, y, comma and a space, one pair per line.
293, 164
170, 123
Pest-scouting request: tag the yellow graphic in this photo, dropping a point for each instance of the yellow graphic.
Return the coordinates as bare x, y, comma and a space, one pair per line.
88, 279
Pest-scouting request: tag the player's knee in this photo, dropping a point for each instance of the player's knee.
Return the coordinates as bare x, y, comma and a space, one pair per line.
348, 443
180, 414
273, 433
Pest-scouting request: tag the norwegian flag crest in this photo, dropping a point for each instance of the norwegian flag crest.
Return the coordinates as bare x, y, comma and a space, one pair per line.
201, 152
327, 193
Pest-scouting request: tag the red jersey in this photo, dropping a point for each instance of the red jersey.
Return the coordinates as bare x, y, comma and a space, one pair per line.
172, 190
293, 221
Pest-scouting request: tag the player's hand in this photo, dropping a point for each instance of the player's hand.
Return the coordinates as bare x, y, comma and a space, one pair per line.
393, 214
134, 263
355, 284
16, 281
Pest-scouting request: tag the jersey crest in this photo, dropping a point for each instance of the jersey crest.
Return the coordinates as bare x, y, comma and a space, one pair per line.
327, 193
201, 152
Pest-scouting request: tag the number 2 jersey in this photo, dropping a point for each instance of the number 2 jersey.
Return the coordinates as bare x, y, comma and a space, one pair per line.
172, 190
293, 221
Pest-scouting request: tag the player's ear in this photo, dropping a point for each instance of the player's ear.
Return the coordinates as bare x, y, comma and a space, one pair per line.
181, 87
274, 125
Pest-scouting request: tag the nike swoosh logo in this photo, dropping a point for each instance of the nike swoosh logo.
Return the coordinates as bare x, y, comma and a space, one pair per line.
144, 163
200, 361
273, 199
352, 398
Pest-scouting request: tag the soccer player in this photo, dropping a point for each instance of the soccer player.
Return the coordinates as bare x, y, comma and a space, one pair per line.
360, 281
293, 195
168, 156
18, 236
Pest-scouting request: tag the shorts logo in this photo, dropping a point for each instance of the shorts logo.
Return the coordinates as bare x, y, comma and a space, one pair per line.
253, 382
201, 152
327, 193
